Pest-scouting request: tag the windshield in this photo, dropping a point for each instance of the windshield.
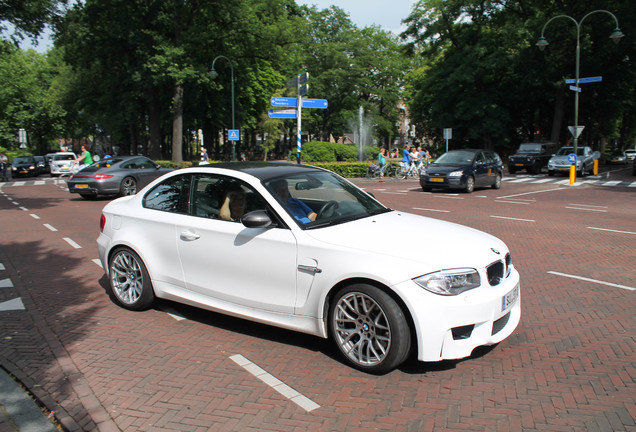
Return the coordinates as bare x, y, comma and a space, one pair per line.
458, 157
320, 199
564, 151
530, 148
23, 159
58, 157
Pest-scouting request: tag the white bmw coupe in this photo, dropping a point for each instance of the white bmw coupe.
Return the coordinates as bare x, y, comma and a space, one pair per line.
300, 247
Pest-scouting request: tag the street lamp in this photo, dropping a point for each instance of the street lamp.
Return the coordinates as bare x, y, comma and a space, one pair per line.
213, 75
542, 43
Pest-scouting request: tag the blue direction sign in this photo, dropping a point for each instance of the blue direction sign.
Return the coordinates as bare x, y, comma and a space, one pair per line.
315, 103
585, 80
233, 135
286, 114
284, 102
572, 158
576, 89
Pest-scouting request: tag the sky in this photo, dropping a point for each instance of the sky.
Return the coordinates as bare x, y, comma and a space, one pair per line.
387, 14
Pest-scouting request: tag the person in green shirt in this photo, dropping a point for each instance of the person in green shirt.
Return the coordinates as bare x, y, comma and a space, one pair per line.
86, 158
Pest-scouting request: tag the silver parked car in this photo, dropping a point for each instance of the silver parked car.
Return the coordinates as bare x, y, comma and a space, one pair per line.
585, 158
120, 175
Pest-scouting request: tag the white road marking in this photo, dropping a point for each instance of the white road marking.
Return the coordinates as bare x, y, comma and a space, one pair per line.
72, 243
592, 280
611, 230
512, 202
276, 384
2, 266
511, 218
24, 209
530, 193
98, 262
432, 210
586, 209
6, 283
11, 305
34, 216
50, 227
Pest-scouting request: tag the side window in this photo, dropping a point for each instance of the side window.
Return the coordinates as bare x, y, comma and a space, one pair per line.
144, 163
479, 159
171, 195
224, 198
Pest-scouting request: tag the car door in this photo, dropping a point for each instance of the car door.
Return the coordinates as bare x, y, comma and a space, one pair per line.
144, 169
481, 170
229, 263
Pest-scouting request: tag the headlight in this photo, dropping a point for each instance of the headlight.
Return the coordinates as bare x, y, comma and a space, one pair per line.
456, 174
449, 282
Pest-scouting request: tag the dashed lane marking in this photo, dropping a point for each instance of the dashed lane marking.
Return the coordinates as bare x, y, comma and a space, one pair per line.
72, 243
511, 218
52, 228
592, 280
612, 230
431, 210
276, 384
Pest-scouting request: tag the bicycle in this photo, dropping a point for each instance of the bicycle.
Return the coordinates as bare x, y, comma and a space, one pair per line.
413, 172
375, 171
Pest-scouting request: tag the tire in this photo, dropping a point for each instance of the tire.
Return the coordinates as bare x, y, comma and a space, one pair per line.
128, 186
426, 188
369, 328
130, 283
497, 183
470, 184
399, 173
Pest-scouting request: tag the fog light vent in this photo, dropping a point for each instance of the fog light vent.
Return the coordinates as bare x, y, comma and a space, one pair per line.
462, 332
500, 324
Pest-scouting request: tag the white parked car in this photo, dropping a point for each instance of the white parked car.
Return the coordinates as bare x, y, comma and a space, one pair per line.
297, 247
62, 163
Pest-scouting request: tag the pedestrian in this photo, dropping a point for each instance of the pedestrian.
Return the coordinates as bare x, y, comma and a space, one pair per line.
205, 159
3, 166
406, 158
382, 162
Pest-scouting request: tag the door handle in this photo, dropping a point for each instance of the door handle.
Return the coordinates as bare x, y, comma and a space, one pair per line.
189, 236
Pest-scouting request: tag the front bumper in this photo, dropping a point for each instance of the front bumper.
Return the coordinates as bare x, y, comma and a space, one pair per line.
451, 327
443, 182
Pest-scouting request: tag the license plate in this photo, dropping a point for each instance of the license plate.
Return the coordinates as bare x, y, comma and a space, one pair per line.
23, 172
436, 180
518, 164
64, 169
509, 299
564, 169
81, 186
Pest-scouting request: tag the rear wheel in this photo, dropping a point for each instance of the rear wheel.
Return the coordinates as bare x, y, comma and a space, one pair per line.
128, 186
369, 328
129, 280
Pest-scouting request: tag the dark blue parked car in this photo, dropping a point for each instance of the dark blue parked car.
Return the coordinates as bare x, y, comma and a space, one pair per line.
463, 169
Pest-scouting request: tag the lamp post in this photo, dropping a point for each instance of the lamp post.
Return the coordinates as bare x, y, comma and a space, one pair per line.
214, 74
542, 43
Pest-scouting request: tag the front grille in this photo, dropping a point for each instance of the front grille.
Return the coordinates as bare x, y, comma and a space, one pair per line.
495, 273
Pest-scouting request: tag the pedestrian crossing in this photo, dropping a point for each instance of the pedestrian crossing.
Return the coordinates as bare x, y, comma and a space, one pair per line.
595, 181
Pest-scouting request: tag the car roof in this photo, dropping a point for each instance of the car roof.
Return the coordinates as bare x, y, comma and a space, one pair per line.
264, 170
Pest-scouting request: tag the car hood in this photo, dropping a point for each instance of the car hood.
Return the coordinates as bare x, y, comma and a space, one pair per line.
563, 159
445, 169
422, 241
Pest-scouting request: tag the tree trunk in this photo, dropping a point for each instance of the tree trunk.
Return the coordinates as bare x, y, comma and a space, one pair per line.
154, 124
177, 125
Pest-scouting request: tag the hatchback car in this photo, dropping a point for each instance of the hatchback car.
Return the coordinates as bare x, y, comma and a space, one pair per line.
120, 175
24, 166
294, 246
463, 169
62, 163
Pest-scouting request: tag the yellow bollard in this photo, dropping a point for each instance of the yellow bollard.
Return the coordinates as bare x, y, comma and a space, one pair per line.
572, 174
595, 166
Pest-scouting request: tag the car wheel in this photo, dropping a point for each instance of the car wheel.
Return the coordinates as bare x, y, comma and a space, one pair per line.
129, 280
128, 186
470, 184
497, 183
369, 328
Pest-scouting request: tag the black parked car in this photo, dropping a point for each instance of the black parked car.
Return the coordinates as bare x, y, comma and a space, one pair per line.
532, 157
463, 169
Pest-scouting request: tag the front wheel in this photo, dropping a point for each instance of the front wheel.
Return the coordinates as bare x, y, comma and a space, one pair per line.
369, 328
497, 183
470, 184
129, 280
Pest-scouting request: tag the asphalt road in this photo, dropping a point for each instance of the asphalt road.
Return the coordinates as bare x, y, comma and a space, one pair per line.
570, 365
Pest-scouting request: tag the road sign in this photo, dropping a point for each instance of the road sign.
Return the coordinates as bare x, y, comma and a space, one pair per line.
578, 130
448, 133
300, 79
284, 102
572, 158
576, 89
287, 114
233, 135
303, 89
585, 80
315, 103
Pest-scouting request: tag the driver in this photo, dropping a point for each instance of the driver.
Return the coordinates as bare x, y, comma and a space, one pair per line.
301, 211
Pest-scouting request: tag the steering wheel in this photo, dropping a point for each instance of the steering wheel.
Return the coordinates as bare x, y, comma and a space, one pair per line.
327, 210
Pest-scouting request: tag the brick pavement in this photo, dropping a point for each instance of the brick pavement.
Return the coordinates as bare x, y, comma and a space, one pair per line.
570, 366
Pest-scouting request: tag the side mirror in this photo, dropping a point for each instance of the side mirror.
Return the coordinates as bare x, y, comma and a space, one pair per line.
256, 219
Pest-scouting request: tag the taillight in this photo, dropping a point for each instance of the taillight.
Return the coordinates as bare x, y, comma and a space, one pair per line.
102, 223
102, 176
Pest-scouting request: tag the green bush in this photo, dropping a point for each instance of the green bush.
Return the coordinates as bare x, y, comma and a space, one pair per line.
317, 151
345, 169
